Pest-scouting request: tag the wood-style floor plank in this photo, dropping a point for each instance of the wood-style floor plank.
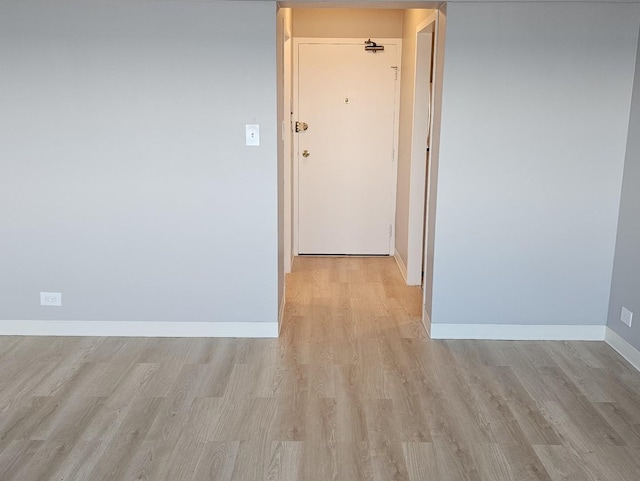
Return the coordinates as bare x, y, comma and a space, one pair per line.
352, 390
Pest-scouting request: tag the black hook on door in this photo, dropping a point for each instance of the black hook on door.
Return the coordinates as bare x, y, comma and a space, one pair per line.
370, 46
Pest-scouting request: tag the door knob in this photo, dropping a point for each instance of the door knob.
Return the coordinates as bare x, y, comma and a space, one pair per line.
306, 153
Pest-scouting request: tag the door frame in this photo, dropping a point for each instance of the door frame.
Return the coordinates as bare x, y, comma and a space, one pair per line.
429, 185
287, 138
297, 41
421, 131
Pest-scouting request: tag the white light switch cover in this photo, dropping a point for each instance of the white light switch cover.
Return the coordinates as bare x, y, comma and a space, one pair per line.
626, 316
253, 135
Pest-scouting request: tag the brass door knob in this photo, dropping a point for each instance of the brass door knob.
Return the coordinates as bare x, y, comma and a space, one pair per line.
305, 153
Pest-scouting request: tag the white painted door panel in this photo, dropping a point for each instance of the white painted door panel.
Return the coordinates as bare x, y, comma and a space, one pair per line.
346, 187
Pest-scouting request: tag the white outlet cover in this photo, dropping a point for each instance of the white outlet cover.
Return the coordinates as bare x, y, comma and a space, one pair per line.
626, 316
51, 299
253, 135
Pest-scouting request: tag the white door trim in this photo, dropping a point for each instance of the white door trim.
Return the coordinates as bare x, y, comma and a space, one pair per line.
287, 138
429, 197
422, 95
297, 41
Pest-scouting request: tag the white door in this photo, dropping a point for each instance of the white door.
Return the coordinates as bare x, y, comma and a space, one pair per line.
345, 158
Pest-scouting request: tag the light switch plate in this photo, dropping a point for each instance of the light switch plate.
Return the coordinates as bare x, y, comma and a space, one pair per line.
253, 135
626, 316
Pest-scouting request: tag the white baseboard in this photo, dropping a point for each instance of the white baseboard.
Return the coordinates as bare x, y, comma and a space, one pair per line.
138, 329
518, 332
401, 266
426, 322
623, 348
281, 310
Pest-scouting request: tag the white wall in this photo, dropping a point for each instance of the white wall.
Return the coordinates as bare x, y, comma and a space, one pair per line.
125, 183
284, 82
625, 286
411, 19
534, 121
434, 162
281, 17
347, 23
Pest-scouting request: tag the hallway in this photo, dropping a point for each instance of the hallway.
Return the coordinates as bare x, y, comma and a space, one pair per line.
347, 299
353, 390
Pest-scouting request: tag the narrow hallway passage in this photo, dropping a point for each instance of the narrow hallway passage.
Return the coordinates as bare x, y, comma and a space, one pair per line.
344, 299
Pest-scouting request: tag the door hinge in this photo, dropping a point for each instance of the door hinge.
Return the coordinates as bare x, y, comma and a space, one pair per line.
393, 154
395, 71
390, 231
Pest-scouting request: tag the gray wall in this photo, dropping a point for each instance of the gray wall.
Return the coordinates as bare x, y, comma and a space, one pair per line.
625, 286
534, 121
125, 183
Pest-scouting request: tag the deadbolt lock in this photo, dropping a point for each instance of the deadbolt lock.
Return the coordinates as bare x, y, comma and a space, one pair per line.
306, 153
301, 126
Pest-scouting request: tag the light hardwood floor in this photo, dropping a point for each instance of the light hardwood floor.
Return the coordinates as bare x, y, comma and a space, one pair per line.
353, 390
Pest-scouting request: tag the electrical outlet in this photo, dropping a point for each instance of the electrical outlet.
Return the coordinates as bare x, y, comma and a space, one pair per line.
626, 316
50, 298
